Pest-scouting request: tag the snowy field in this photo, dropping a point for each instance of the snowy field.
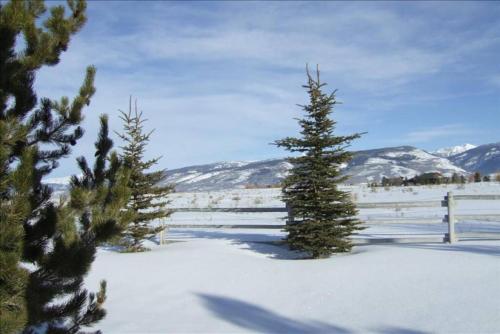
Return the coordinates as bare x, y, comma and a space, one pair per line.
361, 193
237, 280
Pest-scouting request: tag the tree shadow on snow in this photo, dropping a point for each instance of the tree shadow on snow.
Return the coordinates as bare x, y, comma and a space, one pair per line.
275, 250
255, 318
492, 250
224, 234
270, 245
396, 330
258, 319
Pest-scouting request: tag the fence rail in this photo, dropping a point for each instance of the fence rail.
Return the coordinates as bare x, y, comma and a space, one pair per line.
362, 205
236, 210
476, 217
262, 226
450, 218
477, 197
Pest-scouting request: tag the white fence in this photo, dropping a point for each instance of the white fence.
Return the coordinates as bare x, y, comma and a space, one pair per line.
451, 218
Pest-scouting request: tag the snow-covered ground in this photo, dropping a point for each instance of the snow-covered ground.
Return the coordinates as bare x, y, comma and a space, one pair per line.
218, 283
238, 280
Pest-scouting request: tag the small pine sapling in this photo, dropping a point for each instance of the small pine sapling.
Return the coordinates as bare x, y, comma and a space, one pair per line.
148, 197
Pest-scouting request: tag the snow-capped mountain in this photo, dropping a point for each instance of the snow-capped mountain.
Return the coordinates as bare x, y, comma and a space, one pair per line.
366, 166
454, 150
226, 175
57, 180
405, 161
58, 184
484, 159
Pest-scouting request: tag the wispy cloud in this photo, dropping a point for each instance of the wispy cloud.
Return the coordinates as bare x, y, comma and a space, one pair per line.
445, 131
222, 79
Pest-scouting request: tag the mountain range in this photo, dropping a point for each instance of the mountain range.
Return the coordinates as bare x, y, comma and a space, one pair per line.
366, 166
484, 159
454, 150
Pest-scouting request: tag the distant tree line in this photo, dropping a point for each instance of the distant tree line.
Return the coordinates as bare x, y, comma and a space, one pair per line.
260, 186
434, 178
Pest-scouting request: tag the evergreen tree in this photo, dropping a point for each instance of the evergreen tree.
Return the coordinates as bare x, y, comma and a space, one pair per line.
385, 181
55, 290
34, 135
477, 177
147, 199
324, 215
455, 178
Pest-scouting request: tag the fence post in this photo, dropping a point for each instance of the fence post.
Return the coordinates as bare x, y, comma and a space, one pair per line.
290, 214
451, 217
161, 235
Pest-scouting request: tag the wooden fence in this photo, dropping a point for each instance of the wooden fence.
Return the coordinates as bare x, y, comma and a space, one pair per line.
450, 218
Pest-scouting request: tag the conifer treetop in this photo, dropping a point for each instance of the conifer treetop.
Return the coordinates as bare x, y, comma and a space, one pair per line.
134, 137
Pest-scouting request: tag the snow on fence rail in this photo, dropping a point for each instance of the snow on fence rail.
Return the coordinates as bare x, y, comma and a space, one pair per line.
450, 218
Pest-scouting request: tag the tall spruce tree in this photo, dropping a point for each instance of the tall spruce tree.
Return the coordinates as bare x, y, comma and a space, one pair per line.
34, 135
324, 215
148, 197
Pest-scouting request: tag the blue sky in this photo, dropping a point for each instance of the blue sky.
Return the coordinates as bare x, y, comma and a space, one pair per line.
222, 80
